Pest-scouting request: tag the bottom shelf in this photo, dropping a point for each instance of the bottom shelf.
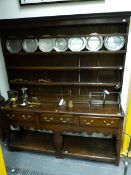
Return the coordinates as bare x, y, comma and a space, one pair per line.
32, 141
101, 149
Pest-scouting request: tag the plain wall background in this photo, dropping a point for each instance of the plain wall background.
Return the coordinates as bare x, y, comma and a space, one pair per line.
11, 9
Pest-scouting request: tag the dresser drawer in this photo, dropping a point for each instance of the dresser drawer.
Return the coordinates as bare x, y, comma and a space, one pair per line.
56, 118
22, 116
99, 121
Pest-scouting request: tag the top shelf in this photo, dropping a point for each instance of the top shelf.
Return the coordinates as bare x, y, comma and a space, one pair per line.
22, 53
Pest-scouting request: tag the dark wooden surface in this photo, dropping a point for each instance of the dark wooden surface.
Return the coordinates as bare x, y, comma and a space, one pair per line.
32, 141
89, 148
80, 73
2, 133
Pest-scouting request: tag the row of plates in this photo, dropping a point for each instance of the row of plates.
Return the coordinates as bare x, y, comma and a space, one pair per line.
91, 43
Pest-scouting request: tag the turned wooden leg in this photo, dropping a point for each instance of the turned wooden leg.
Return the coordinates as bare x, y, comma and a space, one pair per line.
118, 145
58, 139
21, 129
8, 135
2, 129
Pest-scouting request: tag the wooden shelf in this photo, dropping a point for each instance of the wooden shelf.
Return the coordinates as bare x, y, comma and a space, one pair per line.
73, 146
37, 53
65, 68
63, 83
32, 140
89, 148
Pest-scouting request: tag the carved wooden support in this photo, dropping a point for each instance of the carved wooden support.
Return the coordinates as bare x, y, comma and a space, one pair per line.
58, 140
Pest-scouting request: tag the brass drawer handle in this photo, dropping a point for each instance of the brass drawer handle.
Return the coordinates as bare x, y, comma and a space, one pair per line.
64, 121
48, 120
108, 124
89, 123
9, 116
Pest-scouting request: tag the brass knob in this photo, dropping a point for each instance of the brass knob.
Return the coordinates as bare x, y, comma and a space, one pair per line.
13, 115
29, 116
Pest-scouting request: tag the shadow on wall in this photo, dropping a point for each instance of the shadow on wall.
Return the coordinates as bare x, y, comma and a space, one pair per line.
4, 86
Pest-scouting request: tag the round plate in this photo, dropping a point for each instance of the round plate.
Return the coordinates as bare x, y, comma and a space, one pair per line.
114, 43
61, 44
14, 46
46, 45
77, 43
30, 45
94, 43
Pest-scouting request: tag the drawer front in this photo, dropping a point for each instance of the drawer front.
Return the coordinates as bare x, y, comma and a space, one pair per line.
99, 121
56, 118
22, 116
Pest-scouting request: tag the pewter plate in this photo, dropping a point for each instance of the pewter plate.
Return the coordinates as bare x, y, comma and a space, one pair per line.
14, 46
46, 45
77, 43
114, 43
30, 45
94, 42
61, 44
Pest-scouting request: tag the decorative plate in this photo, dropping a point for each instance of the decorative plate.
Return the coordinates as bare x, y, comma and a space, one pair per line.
46, 45
30, 45
94, 43
61, 44
77, 43
114, 43
14, 46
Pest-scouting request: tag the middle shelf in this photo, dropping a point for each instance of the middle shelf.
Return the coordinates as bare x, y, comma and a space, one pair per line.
64, 83
65, 68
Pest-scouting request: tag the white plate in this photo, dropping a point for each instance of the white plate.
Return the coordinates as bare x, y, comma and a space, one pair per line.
114, 43
77, 43
14, 46
46, 45
61, 44
30, 45
94, 43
